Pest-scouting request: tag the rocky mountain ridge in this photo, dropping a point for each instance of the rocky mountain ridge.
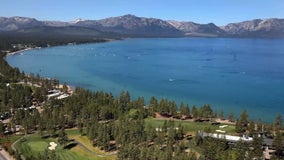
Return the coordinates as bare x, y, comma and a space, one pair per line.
133, 26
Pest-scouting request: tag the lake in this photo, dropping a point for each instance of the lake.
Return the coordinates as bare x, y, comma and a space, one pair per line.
229, 74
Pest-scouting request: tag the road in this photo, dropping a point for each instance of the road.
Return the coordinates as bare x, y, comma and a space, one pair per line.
4, 155
13, 146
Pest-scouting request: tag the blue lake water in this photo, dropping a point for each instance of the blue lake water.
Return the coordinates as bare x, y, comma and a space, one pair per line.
228, 74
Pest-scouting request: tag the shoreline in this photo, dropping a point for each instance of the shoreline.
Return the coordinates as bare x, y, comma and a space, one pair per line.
75, 43
70, 89
19, 51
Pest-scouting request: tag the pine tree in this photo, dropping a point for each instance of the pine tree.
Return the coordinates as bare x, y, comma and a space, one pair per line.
80, 126
180, 132
151, 133
153, 106
143, 153
92, 132
278, 122
184, 109
259, 125
213, 148
221, 115
240, 150
62, 137
251, 128
278, 143
256, 146
231, 117
242, 122
194, 112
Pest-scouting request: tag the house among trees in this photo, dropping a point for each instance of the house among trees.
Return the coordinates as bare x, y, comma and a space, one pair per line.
228, 138
56, 94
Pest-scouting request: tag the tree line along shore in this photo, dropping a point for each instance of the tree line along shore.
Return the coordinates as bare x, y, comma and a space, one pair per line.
129, 127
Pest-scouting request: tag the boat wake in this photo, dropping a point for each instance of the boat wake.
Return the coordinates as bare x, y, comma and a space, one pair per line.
171, 79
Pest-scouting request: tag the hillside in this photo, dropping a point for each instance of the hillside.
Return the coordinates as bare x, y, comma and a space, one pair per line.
133, 26
256, 28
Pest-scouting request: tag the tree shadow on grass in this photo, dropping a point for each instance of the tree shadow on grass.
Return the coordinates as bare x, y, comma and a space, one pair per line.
70, 145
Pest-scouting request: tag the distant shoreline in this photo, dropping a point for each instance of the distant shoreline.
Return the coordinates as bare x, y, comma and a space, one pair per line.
19, 51
72, 43
70, 88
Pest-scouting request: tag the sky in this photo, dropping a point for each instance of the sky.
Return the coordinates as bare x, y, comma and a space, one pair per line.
220, 12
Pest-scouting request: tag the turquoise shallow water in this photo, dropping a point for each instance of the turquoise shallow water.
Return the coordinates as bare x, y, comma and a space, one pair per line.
229, 74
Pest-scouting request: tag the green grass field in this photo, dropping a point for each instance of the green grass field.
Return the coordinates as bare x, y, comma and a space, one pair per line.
34, 145
9, 138
38, 146
190, 126
102, 155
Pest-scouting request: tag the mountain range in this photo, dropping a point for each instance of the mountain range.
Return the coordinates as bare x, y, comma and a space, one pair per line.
133, 26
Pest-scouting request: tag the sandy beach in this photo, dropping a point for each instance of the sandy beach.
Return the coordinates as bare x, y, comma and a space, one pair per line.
19, 51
